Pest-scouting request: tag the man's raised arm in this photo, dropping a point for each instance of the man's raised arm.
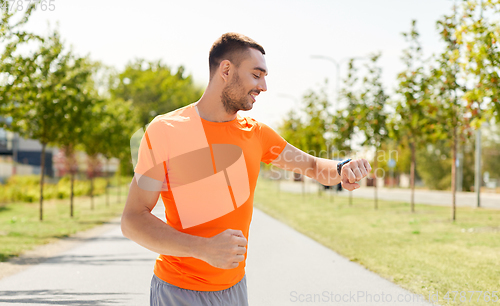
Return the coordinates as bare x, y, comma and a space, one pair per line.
322, 170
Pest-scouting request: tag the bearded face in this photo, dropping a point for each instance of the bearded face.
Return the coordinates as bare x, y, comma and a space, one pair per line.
234, 97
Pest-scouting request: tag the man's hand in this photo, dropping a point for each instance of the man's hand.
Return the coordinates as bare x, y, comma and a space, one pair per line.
354, 171
225, 250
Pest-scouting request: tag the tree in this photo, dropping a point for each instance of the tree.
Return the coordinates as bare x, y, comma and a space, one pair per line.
370, 113
12, 34
34, 93
410, 122
477, 39
117, 129
291, 128
450, 112
309, 133
343, 124
93, 141
154, 89
313, 135
74, 104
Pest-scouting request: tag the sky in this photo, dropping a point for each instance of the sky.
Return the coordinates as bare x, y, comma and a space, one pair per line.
182, 32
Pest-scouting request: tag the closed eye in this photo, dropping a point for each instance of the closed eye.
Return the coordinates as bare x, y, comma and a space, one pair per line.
256, 76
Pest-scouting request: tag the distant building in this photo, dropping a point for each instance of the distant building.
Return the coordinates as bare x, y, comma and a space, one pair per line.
27, 153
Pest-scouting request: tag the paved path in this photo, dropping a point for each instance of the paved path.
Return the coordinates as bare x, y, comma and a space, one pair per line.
284, 268
431, 197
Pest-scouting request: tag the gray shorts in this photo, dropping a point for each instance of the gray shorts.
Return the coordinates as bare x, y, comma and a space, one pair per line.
163, 293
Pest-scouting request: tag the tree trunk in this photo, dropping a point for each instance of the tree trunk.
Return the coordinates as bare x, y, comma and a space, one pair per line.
72, 168
412, 176
454, 174
92, 191
118, 179
72, 192
42, 176
303, 187
107, 181
375, 165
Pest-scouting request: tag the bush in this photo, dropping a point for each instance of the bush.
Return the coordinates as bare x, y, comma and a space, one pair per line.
24, 180
27, 188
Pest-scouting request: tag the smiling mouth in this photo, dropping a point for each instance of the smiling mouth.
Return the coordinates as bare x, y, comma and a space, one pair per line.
253, 96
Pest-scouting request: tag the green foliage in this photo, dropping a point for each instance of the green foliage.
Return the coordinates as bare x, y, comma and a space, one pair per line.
36, 90
343, 124
12, 34
411, 123
370, 113
309, 134
477, 36
491, 151
399, 152
291, 128
153, 88
27, 189
434, 166
449, 111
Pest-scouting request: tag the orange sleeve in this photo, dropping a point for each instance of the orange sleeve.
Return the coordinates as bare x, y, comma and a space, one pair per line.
272, 143
149, 170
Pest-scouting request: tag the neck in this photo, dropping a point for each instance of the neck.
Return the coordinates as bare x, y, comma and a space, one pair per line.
210, 106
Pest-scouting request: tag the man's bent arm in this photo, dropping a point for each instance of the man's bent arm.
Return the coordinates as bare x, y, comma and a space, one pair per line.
139, 225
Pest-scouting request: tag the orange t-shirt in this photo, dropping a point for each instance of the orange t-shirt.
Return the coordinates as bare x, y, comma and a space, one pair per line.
207, 172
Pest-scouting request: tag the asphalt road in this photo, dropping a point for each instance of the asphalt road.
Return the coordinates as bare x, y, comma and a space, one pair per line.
284, 267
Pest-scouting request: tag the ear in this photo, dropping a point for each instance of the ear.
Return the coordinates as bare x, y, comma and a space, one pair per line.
224, 69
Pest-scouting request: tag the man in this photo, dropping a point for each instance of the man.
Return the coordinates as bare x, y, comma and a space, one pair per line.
204, 160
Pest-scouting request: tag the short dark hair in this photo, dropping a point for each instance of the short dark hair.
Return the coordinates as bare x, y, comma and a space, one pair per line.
230, 46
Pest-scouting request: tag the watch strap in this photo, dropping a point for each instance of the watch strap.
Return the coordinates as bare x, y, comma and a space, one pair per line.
341, 164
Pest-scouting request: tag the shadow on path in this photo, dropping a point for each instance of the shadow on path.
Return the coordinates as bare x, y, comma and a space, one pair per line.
98, 260
62, 297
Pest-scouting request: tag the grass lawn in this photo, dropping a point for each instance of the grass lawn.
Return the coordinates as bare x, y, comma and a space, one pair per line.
424, 252
21, 230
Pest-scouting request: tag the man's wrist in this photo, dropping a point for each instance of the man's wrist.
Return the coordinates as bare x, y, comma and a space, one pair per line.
198, 247
326, 172
341, 164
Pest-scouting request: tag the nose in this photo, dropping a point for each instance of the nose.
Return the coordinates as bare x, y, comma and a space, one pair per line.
262, 86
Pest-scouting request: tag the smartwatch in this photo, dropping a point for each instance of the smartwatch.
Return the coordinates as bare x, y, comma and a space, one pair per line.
341, 164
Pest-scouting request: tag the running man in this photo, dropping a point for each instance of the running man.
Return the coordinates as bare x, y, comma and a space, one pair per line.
204, 160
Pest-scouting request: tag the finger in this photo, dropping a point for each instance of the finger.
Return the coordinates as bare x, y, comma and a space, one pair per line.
238, 233
239, 258
357, 173
367, 165
242, 241
351, 177
241, 250
363, 171
350, 186
361, 166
